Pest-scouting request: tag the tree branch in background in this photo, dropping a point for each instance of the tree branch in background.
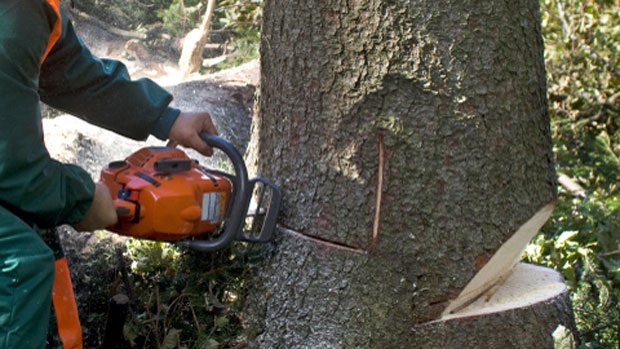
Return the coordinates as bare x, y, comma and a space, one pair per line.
571, 186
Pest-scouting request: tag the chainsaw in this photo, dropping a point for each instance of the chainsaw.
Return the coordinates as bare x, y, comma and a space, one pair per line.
161, 194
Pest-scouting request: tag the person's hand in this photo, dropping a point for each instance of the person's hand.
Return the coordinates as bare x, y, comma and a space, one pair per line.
186, 131
101, 213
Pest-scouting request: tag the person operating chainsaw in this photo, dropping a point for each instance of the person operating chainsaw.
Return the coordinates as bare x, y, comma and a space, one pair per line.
42, 59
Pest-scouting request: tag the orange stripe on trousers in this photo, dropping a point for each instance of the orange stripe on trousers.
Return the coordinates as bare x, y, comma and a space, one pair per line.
65, 307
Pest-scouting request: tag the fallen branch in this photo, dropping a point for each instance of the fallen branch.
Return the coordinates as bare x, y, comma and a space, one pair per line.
571, 186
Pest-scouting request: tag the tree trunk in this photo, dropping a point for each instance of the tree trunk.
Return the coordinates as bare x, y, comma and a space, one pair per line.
411, 141
194, 44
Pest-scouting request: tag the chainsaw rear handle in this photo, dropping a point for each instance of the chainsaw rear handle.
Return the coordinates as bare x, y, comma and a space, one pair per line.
239, 206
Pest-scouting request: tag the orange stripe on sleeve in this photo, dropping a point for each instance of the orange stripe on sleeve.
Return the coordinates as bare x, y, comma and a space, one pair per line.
56, 31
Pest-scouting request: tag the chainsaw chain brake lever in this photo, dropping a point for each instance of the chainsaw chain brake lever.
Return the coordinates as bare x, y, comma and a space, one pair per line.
243, 189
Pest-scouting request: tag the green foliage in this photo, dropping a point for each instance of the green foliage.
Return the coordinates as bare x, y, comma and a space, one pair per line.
237, 20
181, 16
235, 23
240, 14
244, 18
246, 48
187, 299
179, 299
126, 14
582, 240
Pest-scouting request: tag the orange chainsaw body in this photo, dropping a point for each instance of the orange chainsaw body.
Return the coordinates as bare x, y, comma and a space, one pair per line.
161, 194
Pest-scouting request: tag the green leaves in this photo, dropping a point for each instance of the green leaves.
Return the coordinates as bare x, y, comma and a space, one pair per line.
582, 239
187, 299
181, 16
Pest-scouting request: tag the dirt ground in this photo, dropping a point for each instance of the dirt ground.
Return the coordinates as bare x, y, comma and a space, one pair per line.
157, 63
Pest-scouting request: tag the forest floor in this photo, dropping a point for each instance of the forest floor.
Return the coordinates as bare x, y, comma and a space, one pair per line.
158, 63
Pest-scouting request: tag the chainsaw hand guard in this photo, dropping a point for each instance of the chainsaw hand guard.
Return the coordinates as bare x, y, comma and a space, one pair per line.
234, 223
163, 195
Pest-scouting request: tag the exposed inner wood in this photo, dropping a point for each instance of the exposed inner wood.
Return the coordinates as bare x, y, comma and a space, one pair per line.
528, 284
501, 265
323, 242
375, 228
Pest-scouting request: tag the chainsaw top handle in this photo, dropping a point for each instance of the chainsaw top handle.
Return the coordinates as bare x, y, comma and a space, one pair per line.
240, 201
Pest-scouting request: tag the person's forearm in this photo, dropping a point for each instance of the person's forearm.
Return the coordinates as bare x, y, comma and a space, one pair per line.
101, 91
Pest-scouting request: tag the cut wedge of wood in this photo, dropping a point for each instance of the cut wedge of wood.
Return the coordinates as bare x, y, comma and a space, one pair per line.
495, 274
529, 309
527, 285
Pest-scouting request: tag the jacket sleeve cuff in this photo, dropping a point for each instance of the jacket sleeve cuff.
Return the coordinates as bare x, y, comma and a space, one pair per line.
81, 194
162, 126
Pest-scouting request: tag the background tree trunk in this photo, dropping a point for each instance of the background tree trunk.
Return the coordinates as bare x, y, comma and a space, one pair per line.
411, 140
194, 44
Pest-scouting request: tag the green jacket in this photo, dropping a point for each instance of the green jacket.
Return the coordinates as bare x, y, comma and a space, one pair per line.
33, 186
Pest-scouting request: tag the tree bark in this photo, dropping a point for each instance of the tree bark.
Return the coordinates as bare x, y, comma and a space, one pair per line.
411, 140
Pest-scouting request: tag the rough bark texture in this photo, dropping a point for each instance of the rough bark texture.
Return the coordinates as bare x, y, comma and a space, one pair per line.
430, 116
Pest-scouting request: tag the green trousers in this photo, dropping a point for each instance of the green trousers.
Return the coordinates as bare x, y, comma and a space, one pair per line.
26, 278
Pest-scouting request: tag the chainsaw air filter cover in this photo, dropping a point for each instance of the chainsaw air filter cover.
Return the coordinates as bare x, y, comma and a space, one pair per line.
161, 194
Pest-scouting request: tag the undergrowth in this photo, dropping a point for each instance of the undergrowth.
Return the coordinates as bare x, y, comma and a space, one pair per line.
582, 240
187, 299
178, 299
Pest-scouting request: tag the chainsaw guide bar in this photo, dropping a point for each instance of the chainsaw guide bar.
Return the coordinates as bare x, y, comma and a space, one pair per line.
161, 194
